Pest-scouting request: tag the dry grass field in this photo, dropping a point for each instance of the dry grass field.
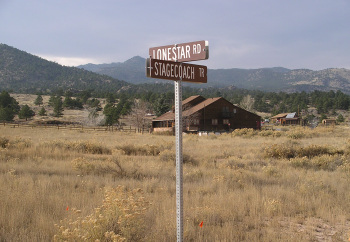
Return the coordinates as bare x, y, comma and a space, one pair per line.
70, 185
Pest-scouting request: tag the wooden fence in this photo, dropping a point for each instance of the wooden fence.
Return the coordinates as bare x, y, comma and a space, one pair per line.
76, 127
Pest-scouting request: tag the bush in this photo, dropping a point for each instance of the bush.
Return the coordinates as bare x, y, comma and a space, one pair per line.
244, 132
4, 142
120, 218
16, 143
292, 150
169, 155
270, 133
130, 149
79, 146
323, 162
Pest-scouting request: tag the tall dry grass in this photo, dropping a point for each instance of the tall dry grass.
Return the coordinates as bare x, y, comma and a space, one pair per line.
289, 185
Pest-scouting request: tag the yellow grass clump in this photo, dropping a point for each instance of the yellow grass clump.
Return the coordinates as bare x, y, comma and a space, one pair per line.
119, 218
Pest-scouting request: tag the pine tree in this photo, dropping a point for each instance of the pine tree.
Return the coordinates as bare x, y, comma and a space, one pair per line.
58, 107
42, 112
26, 112
39, 100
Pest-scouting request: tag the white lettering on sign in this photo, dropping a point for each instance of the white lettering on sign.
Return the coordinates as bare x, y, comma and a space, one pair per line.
174, 71
197, 49
176, 52
183, 52
201, 72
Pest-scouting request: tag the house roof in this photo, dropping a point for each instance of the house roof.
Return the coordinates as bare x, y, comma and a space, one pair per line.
291, 115
191, 98
281, 115
166, 116
171, 115
200, 106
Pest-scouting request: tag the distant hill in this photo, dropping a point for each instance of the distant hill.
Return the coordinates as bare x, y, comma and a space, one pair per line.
25, 73
265, 79
132, 70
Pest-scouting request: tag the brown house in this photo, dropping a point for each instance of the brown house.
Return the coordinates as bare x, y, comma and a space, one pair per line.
286, 119
212, 114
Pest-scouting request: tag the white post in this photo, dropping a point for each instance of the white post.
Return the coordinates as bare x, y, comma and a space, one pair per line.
179, 173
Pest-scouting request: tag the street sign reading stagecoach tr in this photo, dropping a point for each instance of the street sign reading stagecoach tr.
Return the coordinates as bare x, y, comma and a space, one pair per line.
175, 71
192, 51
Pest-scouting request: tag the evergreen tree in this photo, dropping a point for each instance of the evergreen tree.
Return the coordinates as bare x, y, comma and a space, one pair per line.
42, 112
111, 113
39, 100
340, 118
8, 107
58, 107
26, 112
161, 106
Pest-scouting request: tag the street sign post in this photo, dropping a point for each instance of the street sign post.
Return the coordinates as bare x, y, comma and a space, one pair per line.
176, 71
192, 51
166, 62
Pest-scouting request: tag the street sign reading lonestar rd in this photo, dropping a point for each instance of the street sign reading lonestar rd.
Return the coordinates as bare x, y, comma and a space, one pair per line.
192, 51
175, 71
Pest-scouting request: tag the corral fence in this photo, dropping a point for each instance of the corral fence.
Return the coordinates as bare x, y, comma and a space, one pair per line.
128, 129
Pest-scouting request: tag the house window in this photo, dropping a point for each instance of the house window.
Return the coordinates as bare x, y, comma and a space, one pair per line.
234, 110
196, 121
225, 109
225, 121
214, 121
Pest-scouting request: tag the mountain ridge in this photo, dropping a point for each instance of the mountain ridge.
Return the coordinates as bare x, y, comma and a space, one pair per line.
25, 72
266, 79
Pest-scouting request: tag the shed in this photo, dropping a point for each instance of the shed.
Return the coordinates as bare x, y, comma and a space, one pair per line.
329, 121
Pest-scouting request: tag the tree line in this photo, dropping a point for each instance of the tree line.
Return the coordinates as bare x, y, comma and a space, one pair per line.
161, 99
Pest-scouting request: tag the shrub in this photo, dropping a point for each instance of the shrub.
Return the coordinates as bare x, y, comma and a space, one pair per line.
16, 143
4, 142
169, 155
292, 150
83, 165
280, 151
244, 132
130, 149
323, 162
270, 133
120, 218
79, 146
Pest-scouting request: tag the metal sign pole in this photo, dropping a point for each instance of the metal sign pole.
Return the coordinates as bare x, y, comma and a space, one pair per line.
179, 173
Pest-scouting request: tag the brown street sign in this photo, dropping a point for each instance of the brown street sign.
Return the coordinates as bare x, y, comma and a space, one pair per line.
191, 51
175, 71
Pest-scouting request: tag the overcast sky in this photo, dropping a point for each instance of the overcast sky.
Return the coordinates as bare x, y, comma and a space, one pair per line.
312, 34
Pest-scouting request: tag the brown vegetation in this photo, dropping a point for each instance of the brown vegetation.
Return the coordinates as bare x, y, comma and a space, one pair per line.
288, 185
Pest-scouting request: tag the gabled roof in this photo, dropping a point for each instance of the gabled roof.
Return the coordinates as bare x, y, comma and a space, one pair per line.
166, 116
191, 98
171, 115
200, 106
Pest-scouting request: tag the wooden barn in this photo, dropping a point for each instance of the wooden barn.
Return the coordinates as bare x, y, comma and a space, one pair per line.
212, 114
